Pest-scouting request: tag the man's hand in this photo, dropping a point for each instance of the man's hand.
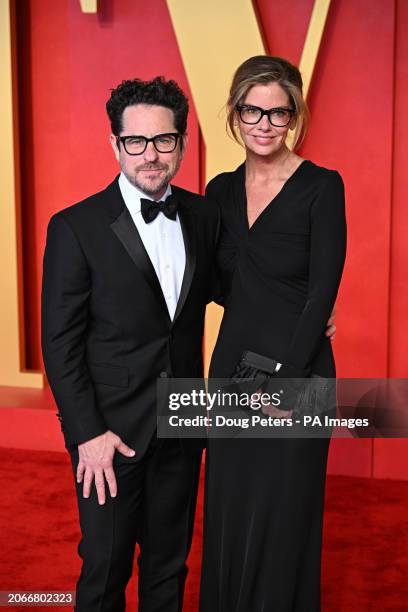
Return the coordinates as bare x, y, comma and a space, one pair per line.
331, 328
95, 461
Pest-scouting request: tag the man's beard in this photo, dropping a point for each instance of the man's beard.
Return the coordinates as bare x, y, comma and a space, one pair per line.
145, 185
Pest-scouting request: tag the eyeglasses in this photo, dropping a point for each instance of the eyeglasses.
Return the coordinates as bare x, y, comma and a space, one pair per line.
136, 145
279, 117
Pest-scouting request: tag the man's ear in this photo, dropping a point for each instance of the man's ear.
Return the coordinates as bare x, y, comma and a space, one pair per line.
114, 144
184, 142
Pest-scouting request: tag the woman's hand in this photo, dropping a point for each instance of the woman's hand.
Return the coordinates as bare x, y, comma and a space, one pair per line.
273, 411
268, 409
331, 328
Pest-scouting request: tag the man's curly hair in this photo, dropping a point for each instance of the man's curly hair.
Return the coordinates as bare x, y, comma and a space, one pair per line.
157, 92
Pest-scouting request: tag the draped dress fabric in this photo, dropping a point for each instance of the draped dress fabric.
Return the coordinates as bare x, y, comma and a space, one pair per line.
264, 497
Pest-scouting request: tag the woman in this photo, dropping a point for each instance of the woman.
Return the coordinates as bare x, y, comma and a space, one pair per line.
281, 257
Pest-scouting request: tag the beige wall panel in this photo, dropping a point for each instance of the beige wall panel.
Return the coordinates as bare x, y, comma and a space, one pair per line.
11, 332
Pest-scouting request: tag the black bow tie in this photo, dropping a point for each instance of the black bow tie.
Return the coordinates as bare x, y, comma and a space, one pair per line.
150, 209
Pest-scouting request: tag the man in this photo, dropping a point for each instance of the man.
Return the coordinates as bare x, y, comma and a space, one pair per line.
127, 275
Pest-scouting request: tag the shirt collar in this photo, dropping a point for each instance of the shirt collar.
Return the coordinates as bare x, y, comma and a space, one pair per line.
132, 195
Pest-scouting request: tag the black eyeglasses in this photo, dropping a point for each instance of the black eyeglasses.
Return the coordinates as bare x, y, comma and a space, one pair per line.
279, 117
136, 145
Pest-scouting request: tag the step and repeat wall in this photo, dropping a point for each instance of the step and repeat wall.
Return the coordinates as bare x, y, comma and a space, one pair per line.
66, 55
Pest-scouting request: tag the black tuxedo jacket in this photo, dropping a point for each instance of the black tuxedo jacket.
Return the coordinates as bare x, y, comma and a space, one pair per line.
106, 332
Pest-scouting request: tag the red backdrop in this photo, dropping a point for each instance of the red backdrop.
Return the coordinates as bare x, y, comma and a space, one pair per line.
68, 61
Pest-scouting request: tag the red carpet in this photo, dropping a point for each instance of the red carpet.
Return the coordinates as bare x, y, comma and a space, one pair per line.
365, 564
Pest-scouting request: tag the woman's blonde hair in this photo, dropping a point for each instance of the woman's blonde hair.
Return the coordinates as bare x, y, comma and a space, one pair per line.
261, 70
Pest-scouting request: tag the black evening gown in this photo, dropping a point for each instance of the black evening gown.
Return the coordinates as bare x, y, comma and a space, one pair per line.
264, 497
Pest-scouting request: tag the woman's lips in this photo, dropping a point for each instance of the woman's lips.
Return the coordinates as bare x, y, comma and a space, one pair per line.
265, 140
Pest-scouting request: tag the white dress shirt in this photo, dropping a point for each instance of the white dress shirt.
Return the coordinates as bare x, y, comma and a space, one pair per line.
163, 241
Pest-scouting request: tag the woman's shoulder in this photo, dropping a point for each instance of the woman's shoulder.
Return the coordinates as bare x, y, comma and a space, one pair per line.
326, 188
322, 173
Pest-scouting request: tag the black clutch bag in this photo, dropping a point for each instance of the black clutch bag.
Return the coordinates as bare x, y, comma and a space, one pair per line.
258, 373
305, 396
254, 366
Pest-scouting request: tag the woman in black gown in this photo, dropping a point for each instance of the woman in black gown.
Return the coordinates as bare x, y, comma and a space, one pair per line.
281, 256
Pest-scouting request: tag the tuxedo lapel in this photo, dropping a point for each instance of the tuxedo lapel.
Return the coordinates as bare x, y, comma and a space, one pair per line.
188, 228
126, 231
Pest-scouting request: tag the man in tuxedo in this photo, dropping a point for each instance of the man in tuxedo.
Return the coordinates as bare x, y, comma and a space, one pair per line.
127, 275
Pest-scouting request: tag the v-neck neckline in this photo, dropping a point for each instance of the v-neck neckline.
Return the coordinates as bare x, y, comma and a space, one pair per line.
269, 205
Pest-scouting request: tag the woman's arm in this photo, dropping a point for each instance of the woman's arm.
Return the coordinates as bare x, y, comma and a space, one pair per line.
327, 255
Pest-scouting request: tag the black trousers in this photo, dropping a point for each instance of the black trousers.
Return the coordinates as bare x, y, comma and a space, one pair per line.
155, 508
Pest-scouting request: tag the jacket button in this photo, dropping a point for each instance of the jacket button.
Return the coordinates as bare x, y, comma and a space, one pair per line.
163, 375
